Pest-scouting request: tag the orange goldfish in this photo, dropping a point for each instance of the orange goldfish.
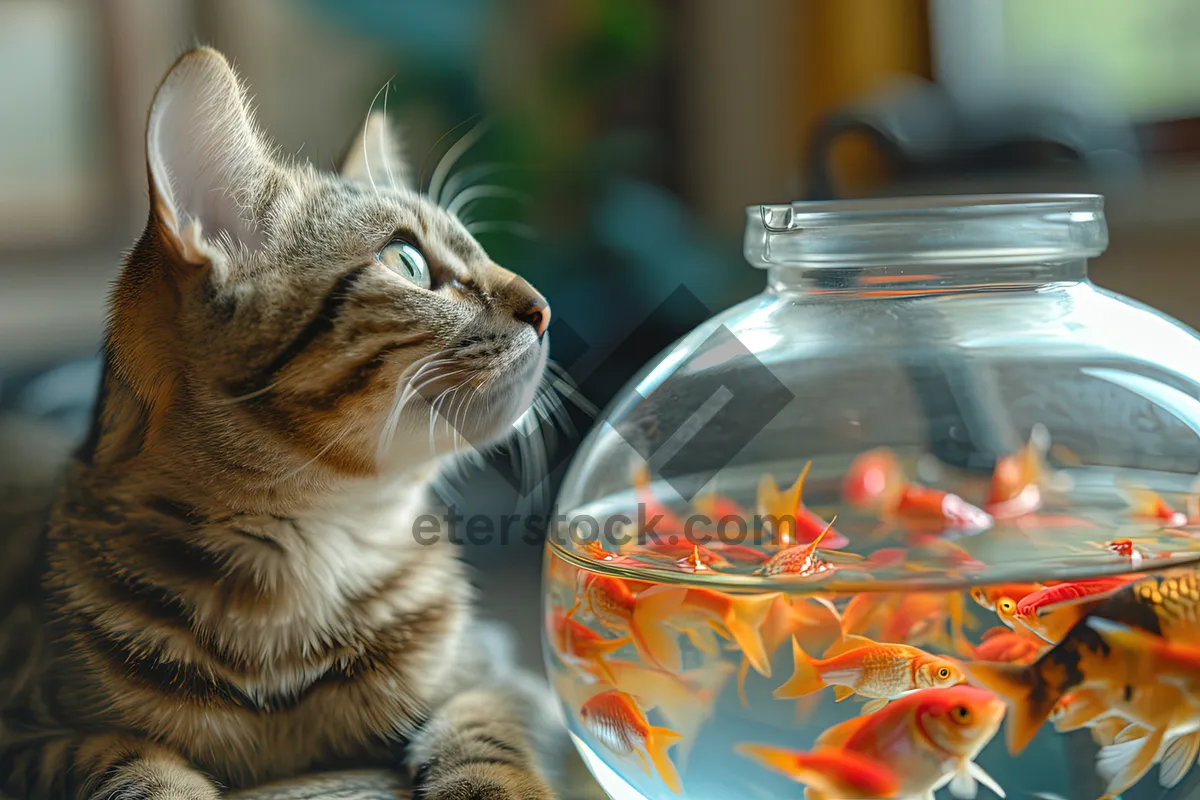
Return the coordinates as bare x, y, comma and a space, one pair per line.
1052, 611
695, 611
1150, 506
615, 606
926, 739
1166, 604
1017, 478
616, 721
1002, 644
988, 596
686, 701
578, 645
916, 618
857, 665
794, 523
1174, 663
676, 549
799, 561
876, 482
812, 620
828, 773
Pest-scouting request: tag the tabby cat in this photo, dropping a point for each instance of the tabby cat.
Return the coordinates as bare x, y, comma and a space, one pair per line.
229, 589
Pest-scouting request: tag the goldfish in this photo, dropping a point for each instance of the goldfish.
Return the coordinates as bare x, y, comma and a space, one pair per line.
1017, 478
1002, 644
794, 523
578, 645
811, 619
876, 482
1176, 664
685, 701
615, 606
828, 773
927, 739
1150, 506
799, 561
613, 717
881, 672
987, 596
1053, 610
915, 618
1166, 604
676, 549
697, 610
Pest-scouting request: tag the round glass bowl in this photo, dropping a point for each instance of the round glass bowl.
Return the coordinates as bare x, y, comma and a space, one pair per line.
847, 532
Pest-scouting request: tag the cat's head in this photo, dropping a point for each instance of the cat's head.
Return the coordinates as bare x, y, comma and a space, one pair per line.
296, 319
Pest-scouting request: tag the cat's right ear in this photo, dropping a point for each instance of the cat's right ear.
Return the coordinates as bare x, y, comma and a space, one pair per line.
208, 163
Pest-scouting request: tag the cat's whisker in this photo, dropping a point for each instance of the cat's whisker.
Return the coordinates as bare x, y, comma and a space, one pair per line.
469, 176
501, 226
365, 127
241, 398
451, 157
404, 392
387, 166
483, 191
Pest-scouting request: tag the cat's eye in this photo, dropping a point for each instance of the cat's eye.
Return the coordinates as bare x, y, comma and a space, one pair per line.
406, 260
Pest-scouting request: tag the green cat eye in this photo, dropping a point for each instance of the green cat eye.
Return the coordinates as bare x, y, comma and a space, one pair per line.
407, 260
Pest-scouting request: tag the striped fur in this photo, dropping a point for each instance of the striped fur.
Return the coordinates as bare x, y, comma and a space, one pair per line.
228, 591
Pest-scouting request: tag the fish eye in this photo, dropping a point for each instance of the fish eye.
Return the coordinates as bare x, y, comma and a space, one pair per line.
1006, 604
943, 673
961, 713
405, 259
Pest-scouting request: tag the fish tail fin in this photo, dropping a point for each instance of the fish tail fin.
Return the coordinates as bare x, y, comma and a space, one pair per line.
1178, 759
600, 650
744, 620
655, 642
657, 743
1027, 709
779, 759
1123, 764
806, 678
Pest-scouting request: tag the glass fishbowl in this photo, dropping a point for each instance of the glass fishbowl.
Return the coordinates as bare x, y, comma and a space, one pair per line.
919, 520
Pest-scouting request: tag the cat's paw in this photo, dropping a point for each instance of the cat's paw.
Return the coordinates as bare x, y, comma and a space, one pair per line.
181, 785
485, 782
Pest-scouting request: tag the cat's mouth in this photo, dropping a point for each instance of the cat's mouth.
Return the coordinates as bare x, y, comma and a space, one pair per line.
474, 396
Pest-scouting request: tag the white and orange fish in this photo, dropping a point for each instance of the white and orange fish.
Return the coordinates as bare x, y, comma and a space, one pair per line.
626, 607
1017, 478
874, 670
696, 611
1149, 506
617, 722
876, 482
581, 647
927, 739
685, 701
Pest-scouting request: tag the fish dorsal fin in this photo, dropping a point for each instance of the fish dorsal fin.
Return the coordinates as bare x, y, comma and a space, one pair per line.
850, 641
840, 693
794, 496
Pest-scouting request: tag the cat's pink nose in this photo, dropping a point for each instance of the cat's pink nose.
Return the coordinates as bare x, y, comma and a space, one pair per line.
537, 315
528, 305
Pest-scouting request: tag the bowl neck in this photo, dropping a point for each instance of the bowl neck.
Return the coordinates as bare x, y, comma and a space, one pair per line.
909, 280
916, 245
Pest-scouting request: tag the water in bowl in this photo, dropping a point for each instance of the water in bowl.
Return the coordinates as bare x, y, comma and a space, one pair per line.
938, 643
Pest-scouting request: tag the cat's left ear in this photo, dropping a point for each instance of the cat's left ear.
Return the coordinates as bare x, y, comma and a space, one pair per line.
375, 157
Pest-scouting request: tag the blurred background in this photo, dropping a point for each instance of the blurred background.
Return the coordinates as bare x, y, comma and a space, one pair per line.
626, 138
